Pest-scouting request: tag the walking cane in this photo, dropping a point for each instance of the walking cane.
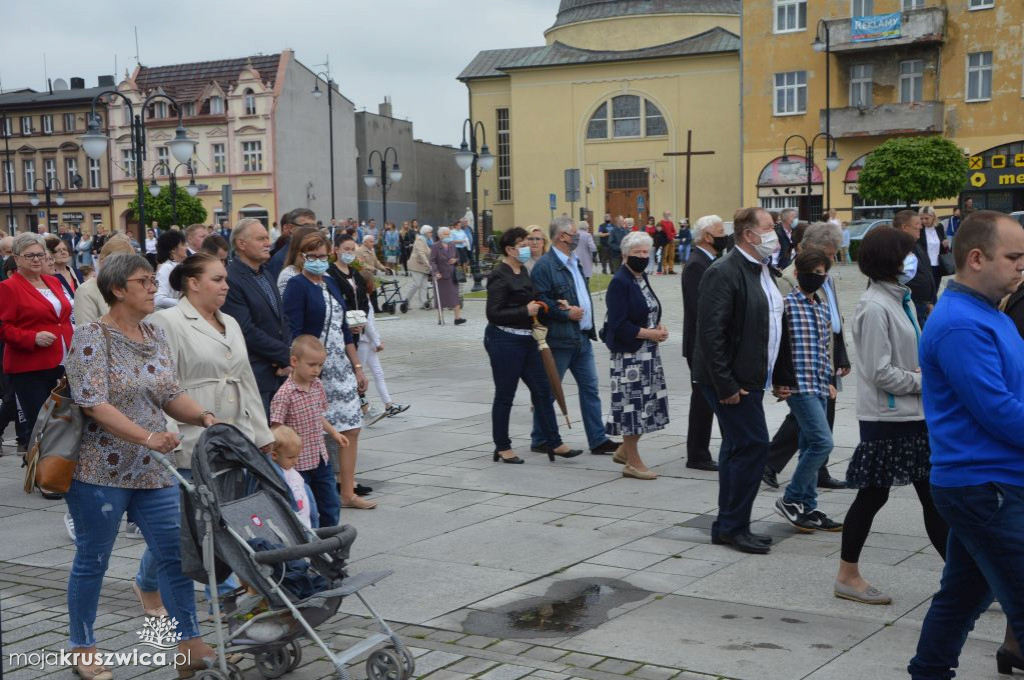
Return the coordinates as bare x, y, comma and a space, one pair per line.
437, 301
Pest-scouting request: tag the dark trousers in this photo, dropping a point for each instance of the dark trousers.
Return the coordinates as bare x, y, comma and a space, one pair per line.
8, 402
698, 431
322, 482
603, 254
787, 440
740, 460
616, 260
515, 357
32, 389
984, 558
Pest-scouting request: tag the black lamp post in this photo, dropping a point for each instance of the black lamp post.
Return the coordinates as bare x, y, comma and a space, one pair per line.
47, 185
826, 47
468, 158
330, 124
192, 188
95, 143
832, 161
385, 181
8, 178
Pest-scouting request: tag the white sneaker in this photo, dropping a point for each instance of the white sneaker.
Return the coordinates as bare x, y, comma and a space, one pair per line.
69, 524
132, 530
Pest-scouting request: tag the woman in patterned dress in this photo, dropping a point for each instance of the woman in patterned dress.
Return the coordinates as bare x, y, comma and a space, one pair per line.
632, 333
315, 306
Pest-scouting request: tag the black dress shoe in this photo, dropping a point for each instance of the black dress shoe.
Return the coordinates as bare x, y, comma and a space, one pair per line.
515, 460
831, 483
771, 478
706, 465
571, 453
762, 538
744, 543
363, 490
606, 447
1006, 661
459, 322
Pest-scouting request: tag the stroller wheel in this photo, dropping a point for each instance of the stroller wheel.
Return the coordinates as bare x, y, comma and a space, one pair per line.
404, 307
294, 650
210, 674
235, 673
272, 664
384, 664
408, 662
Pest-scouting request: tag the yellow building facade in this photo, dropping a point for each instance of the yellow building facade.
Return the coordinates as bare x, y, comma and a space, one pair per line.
935, 67
617, 86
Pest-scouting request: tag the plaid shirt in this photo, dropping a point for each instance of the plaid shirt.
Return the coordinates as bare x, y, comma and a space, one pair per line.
303, 411
808, 324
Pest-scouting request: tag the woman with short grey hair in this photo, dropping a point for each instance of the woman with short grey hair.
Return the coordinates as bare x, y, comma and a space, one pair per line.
444, 259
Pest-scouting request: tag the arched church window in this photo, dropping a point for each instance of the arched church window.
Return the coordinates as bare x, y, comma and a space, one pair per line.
598, 126
627, 119
654, 122
626, 116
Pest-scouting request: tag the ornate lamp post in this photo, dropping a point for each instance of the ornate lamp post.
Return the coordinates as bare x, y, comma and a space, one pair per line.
385, 181
826, 47
47, 185
330, 123
832, 161
468, 158
192, 188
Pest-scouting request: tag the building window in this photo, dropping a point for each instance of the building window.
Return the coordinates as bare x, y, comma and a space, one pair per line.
862, 8
981, 4
790, 93
6, 131
504, 157
128, 162
71, 165
69, 122
913, 4
790, 15
626, 119
159, 110
216, 105
861, 85
654, 122
26, 125
163, 160
252, 156
597, 128
95, 178
911, 81
8, 168
188, 109
12, 223
626, 116
250, 102
219, 159
127, 115
979, 76
47, 121
49, 171
30, 174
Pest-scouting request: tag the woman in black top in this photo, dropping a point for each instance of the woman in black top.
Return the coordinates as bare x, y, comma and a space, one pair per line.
509, 342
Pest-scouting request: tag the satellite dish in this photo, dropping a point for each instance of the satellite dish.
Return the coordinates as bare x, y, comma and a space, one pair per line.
60, 85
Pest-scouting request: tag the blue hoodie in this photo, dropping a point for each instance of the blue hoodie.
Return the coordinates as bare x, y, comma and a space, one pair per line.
972, 374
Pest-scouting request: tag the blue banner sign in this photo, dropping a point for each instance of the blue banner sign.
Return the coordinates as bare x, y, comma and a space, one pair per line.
877, 27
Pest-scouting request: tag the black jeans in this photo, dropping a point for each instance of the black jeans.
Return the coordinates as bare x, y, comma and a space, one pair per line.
698, 430
8, 402
33, 389
787, 440
740, 460
515, 357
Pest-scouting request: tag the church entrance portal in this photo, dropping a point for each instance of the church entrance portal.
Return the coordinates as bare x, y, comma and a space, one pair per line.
626, 193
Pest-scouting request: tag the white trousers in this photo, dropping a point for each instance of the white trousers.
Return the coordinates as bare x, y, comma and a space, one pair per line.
420, 283
368, 357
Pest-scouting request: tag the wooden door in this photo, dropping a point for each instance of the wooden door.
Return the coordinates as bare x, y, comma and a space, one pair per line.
626, 193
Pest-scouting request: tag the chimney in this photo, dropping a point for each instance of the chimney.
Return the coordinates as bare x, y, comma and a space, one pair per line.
105, 81
78, 83
384, 108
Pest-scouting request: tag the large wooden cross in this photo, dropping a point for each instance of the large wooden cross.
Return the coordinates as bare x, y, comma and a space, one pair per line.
689, 153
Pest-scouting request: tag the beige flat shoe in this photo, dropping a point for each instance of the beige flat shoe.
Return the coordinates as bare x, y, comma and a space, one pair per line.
630, 471
871, 595
619, 457
360, 504
156, 612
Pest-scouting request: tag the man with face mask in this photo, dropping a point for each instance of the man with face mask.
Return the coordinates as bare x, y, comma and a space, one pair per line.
739, 339
917, 275
560, 284
708, 242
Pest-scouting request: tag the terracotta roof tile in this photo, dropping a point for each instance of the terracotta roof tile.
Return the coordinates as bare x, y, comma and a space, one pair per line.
185, 82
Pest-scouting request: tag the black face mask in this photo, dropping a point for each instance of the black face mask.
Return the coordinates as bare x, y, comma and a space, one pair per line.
810, 282
720, 243
637, 264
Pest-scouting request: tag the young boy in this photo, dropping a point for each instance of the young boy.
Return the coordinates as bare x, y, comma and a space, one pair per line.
300, 404
808, 324
287, 448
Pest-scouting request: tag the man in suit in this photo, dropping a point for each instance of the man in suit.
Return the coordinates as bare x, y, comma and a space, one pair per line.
255, 303
557, 275
195, 234
300, 217
787, 222
708, 242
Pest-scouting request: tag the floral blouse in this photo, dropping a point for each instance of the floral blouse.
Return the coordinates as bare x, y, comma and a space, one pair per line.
140, 381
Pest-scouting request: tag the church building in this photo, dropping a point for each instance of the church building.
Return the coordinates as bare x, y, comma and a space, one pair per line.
641, 97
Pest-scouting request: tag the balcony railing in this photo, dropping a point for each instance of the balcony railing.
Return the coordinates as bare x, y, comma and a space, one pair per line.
885, 120
925, 26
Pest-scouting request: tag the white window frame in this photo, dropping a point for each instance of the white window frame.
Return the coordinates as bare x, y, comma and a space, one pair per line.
915, 78
163, 159
128, 161
250, 103
607, 106
980, 4
252, 156
978, 71
26, 125
12, 223
867, 8
912, 4
160, 109
49, 171
28, 168
219, 109
72, 118
95, 174
9, 179
7, 127
794, 88
188, 109
219, 158
71, 169
862, 84
46, 121
638, 117
791, 9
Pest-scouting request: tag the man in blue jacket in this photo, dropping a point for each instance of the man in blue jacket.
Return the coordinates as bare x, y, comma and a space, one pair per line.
558, 278
972, 371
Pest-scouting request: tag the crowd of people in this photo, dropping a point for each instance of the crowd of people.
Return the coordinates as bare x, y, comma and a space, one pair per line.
276, 334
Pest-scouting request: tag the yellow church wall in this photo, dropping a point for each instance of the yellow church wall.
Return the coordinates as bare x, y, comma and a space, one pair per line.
627, 33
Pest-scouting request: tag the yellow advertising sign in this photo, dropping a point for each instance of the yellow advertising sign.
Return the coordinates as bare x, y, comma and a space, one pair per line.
975, 163
978, 180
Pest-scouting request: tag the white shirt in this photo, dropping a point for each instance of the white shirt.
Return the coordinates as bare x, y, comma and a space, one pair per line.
166, 297
150, 246
57, 307
934, 245
776, 306
298, 487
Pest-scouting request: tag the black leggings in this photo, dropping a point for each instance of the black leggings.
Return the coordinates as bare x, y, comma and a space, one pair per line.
857, 524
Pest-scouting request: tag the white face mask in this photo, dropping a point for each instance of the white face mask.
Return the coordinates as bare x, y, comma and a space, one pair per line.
909, 269
768, 245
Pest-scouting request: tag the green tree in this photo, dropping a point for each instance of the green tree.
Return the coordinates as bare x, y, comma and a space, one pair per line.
158, 208
912, 169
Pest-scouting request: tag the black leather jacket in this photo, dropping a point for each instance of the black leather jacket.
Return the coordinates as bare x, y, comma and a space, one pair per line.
731, 351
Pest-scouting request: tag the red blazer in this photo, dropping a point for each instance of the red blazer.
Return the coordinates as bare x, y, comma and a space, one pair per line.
23, 313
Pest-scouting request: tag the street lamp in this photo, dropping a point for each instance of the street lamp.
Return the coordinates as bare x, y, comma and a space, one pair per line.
95, 143
468, 158
192, 188
330, 121
384, 181
826, 47
832, 161
47, 186
8, 176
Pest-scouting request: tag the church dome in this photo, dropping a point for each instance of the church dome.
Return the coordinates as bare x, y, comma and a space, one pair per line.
576, 11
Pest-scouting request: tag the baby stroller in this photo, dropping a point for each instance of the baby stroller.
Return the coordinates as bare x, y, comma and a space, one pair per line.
237, 517
391, 296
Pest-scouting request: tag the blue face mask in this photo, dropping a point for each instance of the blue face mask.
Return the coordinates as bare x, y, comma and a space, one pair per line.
524, 254
909, 269
316, 267
448, 239
348, 258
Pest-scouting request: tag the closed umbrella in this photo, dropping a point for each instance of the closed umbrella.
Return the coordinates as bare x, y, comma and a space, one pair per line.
540, 334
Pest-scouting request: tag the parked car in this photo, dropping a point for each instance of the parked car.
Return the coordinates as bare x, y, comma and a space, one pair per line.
859, 228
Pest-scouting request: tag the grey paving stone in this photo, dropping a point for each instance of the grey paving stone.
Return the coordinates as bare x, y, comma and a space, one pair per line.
548, 675
445, 674
432, 661
627, 559
472, 665
617, 666
648, 672
509, 647
476, 641
445, 636
544, 653
580, 660
506, 672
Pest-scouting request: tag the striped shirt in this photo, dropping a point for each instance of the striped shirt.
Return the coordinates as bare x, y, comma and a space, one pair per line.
808, 325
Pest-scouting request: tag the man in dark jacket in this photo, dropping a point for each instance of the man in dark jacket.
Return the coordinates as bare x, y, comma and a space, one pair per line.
708, 242
739, 339
787, 222
558, 276
255, 303
300, 217
921, 283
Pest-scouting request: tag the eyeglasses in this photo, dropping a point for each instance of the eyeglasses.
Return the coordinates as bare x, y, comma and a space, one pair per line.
146, 281
33, 256
315, 258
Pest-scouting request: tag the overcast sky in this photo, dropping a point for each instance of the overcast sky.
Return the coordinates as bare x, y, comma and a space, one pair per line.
410, 50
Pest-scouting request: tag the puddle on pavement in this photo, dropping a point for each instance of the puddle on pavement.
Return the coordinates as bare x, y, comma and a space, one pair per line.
567, 608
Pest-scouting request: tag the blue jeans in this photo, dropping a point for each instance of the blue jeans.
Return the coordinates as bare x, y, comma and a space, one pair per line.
984, 558
811, 413
684, 252
146, 578
579, 361
514, 357
740, 460
97, 511
324, 484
